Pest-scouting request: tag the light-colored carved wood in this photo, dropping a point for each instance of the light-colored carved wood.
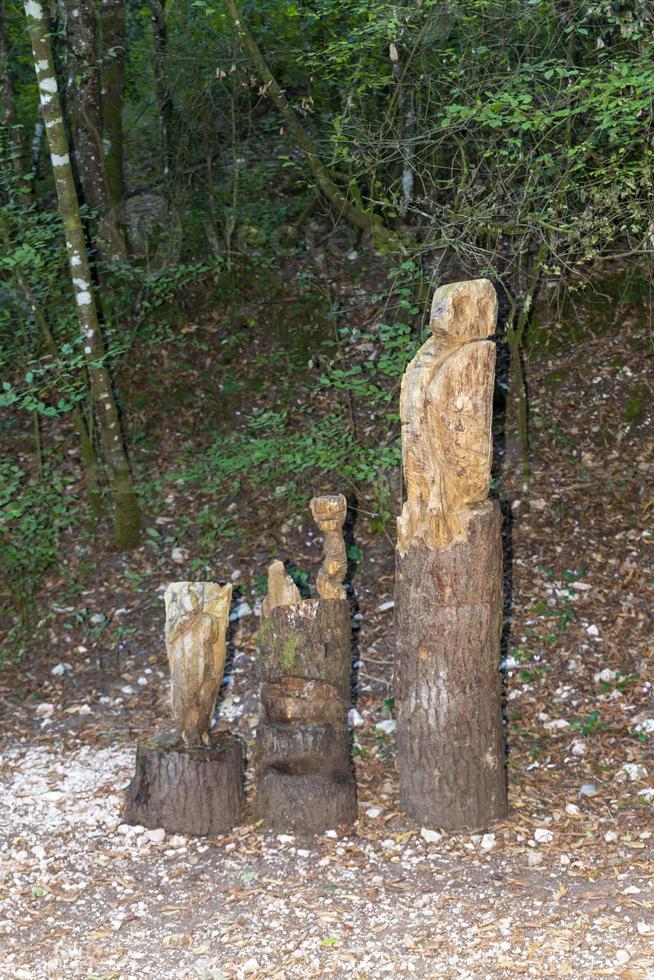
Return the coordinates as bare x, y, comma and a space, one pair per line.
446, 407
197, 616
329, 513
282, 590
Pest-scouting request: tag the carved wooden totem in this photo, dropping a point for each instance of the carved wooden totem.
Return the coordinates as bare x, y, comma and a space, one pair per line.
304, 778
191, 781
448, 607
197, 615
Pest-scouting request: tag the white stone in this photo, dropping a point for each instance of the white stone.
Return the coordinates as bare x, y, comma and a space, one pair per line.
578, 747
354, 719
430, 836
572, 809
610, 837
543, 836
156, 836
374, 812
44, 710
634, 771
386, 605
487, 842
388, 726
622, 957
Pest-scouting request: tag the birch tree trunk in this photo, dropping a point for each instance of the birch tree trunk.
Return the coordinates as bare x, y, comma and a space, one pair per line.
127, 520
448, 603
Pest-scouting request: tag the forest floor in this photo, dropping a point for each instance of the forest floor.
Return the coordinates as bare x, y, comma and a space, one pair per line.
563, 888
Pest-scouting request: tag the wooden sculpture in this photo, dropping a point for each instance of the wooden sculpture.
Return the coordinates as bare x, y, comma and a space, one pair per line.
191, 781
304, 779
448, 607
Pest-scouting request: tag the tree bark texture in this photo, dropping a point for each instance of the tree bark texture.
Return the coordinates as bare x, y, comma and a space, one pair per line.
127, 520
304, 778
448, 621
448, 605
196, 791
304, 774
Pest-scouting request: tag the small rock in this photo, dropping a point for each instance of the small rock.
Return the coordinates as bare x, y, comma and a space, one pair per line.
251, 965
581, 586
388, 726
97, 618
592, 630
610, 837
556, 724
331, 834
622, 957
578, 747
44, 710
354, 719
487, 842
543, 836
386, 605
645, 727
534, 858
634, 771
605, 676
303, 853
235, 574
631, 890
156, 836
285, 838
60, 670
374, 812
538, 503
84, 709
572, 809
643, 928
431, 836
243, 609
588, 789
179, 555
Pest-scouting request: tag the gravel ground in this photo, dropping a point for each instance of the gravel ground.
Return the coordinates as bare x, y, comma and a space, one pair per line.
87, 896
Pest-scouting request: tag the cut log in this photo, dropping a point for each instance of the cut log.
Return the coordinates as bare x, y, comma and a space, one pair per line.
304, 778
448, 605
195, 791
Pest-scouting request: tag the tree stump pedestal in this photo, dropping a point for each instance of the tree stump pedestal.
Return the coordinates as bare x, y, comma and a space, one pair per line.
196, 791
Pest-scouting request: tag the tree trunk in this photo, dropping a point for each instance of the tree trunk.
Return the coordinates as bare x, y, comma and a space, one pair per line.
164, 94
304, 778
448, 604
185, 790
127, 520
85, 109
112, 19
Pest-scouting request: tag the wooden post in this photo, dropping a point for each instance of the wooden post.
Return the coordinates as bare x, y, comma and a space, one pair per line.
191, 782
448, 606
304, 779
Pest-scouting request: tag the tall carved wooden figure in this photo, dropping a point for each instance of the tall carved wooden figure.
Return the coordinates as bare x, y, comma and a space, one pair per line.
448, 605
304, 780
191, 782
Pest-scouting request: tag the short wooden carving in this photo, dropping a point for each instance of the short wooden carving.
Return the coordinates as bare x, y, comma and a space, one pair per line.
304, 778
448, 607
191, 781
